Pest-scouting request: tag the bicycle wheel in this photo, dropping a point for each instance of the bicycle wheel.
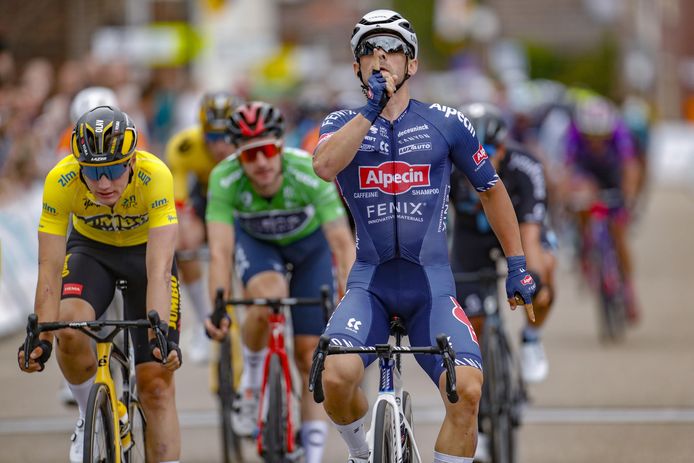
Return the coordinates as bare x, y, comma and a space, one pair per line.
99, 435
384, 434
137, 453
231, 442
274, 429
408, 451
497, 367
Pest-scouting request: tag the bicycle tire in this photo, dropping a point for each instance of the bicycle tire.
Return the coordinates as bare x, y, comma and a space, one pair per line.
231, 442
137, 453
99, 435
408, 450
384, 450
497, 382
274, 434
613, 311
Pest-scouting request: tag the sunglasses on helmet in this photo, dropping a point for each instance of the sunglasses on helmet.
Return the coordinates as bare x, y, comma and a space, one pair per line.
111, 172
387, 43
268, 150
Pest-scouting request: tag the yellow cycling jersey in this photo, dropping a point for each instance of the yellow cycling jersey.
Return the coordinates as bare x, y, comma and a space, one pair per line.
186, 154
147, 202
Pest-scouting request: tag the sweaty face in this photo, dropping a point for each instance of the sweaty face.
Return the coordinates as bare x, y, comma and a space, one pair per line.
107, 190
262, 162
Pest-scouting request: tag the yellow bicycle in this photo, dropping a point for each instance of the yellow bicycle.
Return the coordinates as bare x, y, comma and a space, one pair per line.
115, 423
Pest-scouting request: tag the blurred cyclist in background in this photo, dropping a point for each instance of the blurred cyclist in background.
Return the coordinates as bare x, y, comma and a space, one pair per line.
473, 237
269, 209
600, 156
191, 156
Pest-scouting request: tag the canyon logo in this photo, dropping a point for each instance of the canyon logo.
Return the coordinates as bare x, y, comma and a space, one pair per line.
394, 177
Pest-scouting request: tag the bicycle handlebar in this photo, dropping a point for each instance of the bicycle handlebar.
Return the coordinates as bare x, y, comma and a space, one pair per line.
34, 328
273, 303
324, 349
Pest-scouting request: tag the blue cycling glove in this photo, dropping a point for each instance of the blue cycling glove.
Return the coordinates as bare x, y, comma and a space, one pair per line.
519, 282
376, 95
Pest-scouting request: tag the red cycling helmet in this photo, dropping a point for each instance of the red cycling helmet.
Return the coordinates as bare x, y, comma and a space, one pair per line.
254, 120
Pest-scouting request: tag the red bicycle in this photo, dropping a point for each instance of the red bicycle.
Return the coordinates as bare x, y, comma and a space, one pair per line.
278, 420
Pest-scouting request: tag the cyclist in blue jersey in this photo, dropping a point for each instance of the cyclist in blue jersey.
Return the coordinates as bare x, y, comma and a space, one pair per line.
392, 159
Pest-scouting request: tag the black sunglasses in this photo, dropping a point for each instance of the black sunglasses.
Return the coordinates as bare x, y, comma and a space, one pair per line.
387, 43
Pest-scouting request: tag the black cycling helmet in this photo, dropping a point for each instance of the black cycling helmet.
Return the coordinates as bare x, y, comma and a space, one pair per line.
254, 120
215, 110
488, 122
104, 136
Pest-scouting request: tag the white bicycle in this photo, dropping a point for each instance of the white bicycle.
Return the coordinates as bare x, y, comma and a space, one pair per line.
391, 436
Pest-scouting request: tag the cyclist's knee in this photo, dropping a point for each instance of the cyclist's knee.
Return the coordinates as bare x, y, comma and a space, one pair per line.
269, 284
342, 375
156, 389
469, 388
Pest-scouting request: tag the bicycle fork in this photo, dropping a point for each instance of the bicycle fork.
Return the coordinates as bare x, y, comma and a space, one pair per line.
390, 390
276, 346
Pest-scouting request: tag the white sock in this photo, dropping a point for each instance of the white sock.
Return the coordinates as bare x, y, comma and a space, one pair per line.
201, 300
354, 436
443, 458
252, 375
313, 439
81, 394
171, 461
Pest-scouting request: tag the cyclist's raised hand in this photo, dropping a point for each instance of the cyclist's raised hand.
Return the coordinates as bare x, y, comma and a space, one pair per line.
380, 87
37, 358
520, 286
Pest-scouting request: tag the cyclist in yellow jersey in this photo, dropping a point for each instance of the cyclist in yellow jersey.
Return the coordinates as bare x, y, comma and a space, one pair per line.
191, 156
124, 226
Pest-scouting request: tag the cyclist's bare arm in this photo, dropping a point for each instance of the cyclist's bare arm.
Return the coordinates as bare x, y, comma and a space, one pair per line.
531, 239
161, 243
220, 241
336, 152
502, 217
48, 288
339, 237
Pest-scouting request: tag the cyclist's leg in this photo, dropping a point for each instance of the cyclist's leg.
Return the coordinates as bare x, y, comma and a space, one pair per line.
155, 384
458, 434
312, 261
359, 320
87, 290
191, 236
619, 230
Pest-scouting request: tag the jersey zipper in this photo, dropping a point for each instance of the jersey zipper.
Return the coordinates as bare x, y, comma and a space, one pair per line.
391, 148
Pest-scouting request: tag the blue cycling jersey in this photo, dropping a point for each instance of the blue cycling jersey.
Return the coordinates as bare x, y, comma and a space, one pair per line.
398, 183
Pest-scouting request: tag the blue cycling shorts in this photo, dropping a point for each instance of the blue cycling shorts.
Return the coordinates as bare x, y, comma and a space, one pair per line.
311, 265
422, 296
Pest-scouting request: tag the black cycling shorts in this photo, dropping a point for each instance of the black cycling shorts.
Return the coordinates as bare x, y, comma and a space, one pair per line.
90, 273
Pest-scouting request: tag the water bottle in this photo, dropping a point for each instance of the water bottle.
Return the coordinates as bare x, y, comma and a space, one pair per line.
125, 437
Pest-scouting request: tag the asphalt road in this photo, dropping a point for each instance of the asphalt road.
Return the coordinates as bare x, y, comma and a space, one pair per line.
632, 402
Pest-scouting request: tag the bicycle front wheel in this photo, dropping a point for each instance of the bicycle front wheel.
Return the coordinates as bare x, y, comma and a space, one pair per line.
137, 453
497, 366
99, 435
274, 434
231, 442
385, 443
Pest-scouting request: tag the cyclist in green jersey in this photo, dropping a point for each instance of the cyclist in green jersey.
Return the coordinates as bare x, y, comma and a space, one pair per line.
268, 208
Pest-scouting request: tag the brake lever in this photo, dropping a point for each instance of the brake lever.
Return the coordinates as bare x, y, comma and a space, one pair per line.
30, 340
155, 323
448, 355
315, 383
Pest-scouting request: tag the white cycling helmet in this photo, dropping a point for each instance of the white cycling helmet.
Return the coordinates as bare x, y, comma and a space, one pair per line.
595, 116
89, 98
384, 22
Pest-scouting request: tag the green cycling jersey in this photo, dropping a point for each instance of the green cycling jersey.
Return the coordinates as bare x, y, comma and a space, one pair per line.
302, 204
